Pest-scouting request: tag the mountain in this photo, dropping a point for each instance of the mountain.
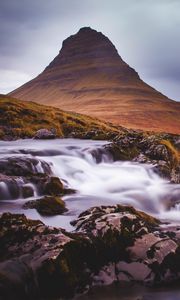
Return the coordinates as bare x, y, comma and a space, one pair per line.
22, 119
89, 76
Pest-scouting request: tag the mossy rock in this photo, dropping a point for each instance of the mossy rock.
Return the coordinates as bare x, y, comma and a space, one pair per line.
122, 153
48, 206
54, 186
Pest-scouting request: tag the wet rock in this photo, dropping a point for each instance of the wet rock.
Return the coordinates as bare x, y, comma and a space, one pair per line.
132, 245
110, 244
27, 191
39, 262
48, 206
45, 134
53, 186
125, 149
23, 166
13, 187
158, 150
10, 187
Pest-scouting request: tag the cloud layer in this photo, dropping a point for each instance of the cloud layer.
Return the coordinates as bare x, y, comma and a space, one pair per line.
145, 33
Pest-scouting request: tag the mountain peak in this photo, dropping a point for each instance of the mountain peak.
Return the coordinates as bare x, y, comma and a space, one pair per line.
92, 48
86, 29
89, 76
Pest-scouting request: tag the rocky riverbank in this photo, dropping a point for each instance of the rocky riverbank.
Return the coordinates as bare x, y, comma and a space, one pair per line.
162, 151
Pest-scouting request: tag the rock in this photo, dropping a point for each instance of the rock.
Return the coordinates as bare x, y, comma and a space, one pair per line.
158, 150
122, 152
13, 187
110, 244
48, 206
23, 166
132, 245
21, 176
27, 191
53, 186
39, 262
10, 187
45, 134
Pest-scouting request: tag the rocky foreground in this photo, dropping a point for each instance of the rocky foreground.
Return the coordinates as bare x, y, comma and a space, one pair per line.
109, 244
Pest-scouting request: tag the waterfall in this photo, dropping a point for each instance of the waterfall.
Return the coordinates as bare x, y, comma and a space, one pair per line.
85, 166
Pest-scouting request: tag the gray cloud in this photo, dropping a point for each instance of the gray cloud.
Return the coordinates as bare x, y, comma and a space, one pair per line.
145, 32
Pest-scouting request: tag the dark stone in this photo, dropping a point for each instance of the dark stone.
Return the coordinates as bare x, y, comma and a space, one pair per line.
27, 191
48, 206
45, 134
23, 166
110, 244
159, 150
53, 186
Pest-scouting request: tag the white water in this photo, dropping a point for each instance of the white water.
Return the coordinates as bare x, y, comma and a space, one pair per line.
106, 182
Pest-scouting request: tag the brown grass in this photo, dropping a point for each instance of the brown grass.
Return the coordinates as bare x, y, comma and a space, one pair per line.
23, 119
174, 153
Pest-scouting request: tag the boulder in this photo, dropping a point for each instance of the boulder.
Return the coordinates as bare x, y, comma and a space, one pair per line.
41, 262
53, 186
9, 187
23, 166
13, 187
48, 205
27, 191
131, 246
45, 134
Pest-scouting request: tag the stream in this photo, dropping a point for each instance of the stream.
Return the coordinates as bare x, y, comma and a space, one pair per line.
85, 166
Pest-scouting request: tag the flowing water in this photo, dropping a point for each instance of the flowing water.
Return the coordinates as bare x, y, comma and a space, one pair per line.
85, 166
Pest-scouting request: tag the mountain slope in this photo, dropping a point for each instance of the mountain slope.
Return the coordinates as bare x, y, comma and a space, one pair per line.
20, 119
89, 76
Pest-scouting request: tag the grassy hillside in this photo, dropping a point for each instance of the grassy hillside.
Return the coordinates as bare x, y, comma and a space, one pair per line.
20, 119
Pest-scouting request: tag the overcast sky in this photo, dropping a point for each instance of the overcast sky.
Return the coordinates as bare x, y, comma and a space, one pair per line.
146, 34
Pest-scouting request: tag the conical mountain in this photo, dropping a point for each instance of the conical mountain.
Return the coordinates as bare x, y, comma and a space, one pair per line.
89, 76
